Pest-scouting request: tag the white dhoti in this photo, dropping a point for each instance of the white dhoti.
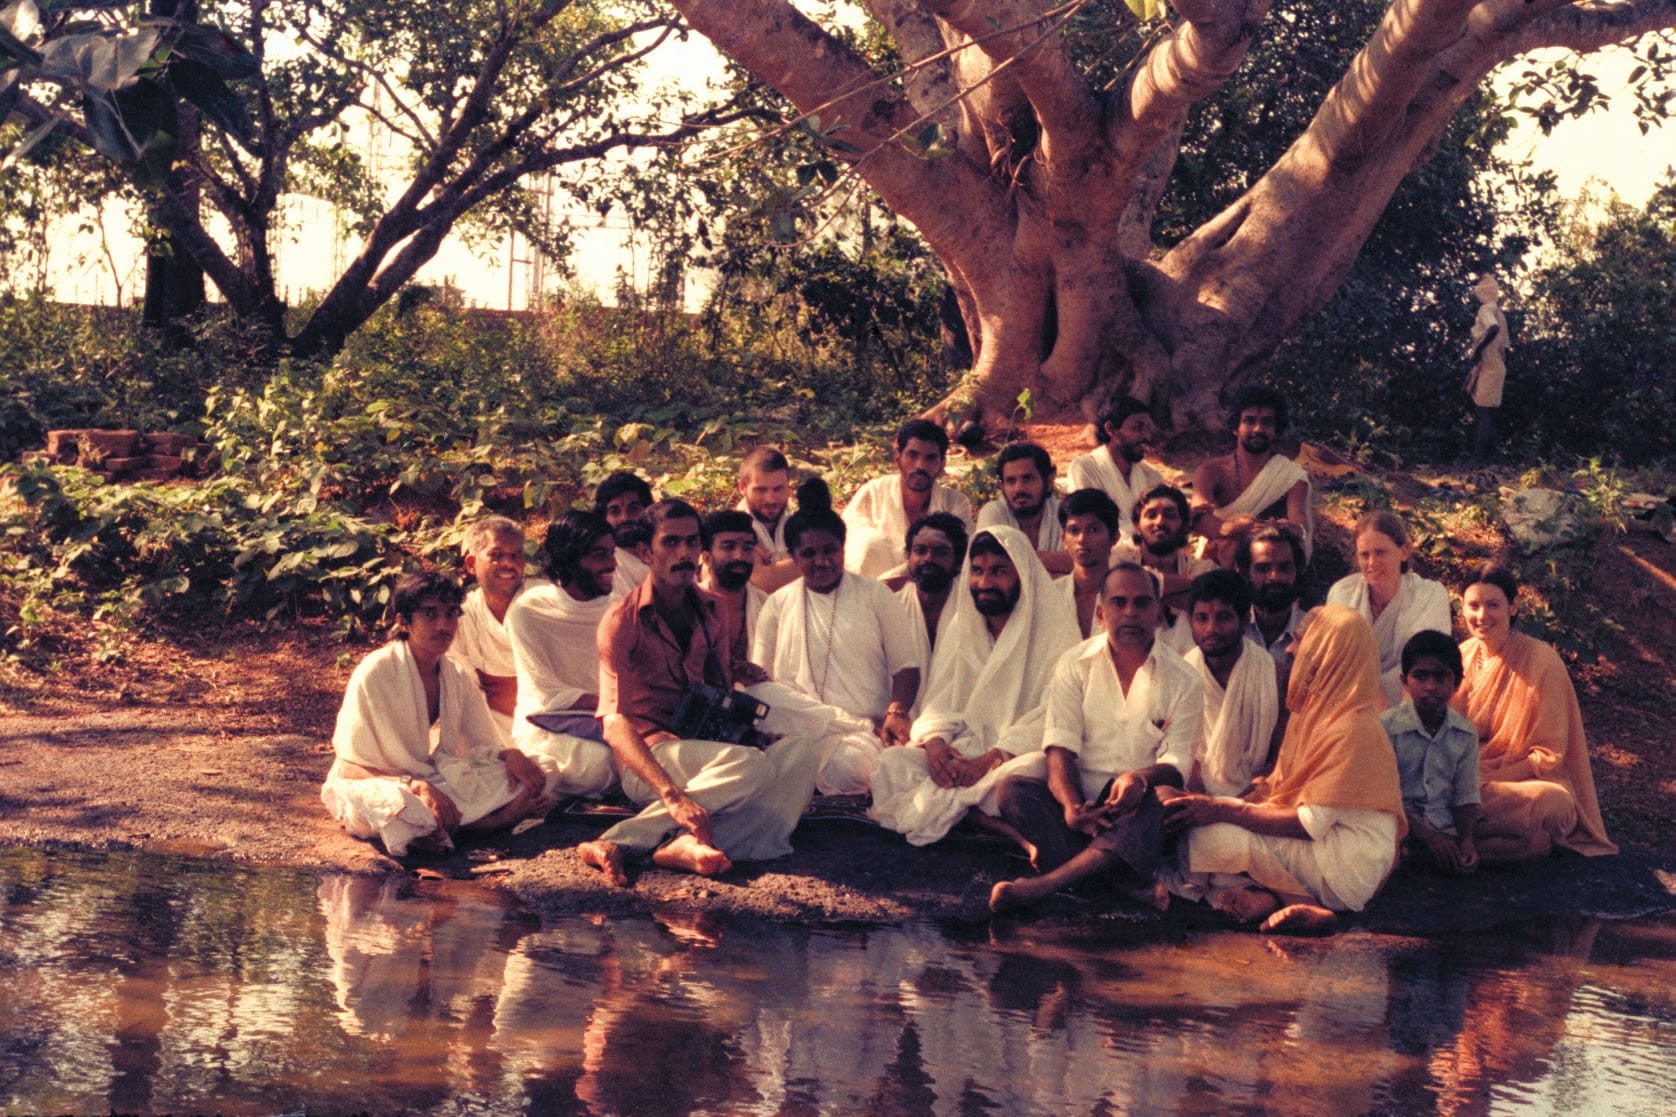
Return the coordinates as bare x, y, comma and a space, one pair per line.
906, 800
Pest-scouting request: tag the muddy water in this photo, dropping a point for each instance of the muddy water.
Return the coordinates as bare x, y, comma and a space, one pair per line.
151, 984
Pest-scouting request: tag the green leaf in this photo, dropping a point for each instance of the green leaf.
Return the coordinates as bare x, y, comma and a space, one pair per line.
201, 86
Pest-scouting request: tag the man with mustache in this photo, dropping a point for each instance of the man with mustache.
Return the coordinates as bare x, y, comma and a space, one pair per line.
1272, 560
1231, 494
983, 703
730, 547
620, 499
1159, 542
936, 552
1027, 502
705, 803
1123, 712
878, 516
1125, 431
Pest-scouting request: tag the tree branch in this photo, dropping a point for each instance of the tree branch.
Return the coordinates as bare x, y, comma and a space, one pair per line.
1026, 41
1190, 65
1590, 26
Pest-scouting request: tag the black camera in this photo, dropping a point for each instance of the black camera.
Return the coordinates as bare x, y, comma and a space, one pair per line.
710, 713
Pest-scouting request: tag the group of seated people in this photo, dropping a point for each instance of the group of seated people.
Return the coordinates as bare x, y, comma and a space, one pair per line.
1067, 671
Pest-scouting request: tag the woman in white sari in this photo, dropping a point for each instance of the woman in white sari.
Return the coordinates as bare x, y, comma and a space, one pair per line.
1390, 596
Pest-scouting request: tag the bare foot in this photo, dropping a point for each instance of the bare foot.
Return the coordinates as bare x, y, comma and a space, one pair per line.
607, 857
524, 806
1301, 919
1003, 896
1246, 905
688, 854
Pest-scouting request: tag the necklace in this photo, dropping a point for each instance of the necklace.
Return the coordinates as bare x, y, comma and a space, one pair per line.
831, 634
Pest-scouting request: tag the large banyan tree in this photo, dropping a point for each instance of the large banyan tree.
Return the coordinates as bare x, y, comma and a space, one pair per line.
1035, 181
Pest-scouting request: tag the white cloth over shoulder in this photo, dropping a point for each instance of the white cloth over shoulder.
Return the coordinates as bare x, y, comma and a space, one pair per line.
876, 526
1099, 470
984, 693
1238, 722
1420, 604
557, 660
1271, 484
1049, 535
771, 542
481, 643
908, 595
844, 648
384, 725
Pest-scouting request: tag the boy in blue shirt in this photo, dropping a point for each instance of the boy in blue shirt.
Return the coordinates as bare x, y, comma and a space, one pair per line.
1437, 756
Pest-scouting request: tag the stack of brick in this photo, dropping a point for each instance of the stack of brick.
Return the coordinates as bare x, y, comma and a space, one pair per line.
128, 455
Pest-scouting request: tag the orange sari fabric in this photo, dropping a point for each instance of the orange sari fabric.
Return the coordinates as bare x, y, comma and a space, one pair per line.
1530, 727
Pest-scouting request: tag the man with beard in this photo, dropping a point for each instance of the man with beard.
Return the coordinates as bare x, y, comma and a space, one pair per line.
1124, 430
620, 499
765, 492
1089, 524
552, 629
982, 716
1242, 696
1231, 494
879, 514
1159, 542
1122, 716
841, 641
1028, 503
936, 552
730, 545
705, 803
1272, 560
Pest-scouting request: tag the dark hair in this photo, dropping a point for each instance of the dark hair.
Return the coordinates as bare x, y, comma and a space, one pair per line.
924, 430
1157, 492
814, 513
727, 519
1019, 451
1259, 395
1269, 533
1114, 409
1497, 575
985, 543
1439, 645
669, 508
618, 484
1092, 502
1130, 566
765, 458
1224, 586
568, 538
415, 588
947, 523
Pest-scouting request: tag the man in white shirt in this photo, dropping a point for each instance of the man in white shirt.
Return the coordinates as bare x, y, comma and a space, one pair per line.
1122, 715
552, 628
1028, 502
765, 493
936, 552
1124, 430
879, 514
493, 554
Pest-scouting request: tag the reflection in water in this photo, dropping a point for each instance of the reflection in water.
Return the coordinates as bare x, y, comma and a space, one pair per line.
143, 984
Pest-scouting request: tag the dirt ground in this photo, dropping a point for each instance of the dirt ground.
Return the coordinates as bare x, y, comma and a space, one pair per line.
211, 738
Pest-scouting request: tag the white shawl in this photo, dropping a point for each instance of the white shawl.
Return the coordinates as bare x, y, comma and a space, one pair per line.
867, 642
1098, 470
1419, 604
553, 646
1271, 484
1239, 722
876, 526
1049, 536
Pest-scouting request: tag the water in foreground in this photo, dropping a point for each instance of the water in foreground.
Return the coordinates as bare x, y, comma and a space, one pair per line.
137, 983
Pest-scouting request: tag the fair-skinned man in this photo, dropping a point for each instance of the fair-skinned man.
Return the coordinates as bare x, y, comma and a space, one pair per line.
765, 493
705, 802
880, 513
1122, 715
1232, 493
1089, 529
1125, 431
1027, 502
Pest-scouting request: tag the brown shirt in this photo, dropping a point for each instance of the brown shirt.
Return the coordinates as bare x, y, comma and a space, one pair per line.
643, 670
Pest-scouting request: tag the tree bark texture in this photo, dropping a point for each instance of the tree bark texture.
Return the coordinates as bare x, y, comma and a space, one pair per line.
1037, 194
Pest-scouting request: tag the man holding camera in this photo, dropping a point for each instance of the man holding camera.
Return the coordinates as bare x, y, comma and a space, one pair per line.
705, 803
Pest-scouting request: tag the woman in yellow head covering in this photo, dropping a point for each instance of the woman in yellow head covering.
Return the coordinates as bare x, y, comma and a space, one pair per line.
1319, 834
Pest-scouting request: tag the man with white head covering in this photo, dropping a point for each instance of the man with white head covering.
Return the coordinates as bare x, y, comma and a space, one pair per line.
983, 718
552, 629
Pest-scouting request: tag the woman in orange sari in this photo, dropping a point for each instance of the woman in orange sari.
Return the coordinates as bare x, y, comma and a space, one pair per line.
1533, 759
1320, 833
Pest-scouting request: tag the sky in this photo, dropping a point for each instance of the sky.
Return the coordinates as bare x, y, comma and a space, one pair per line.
1604, 149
